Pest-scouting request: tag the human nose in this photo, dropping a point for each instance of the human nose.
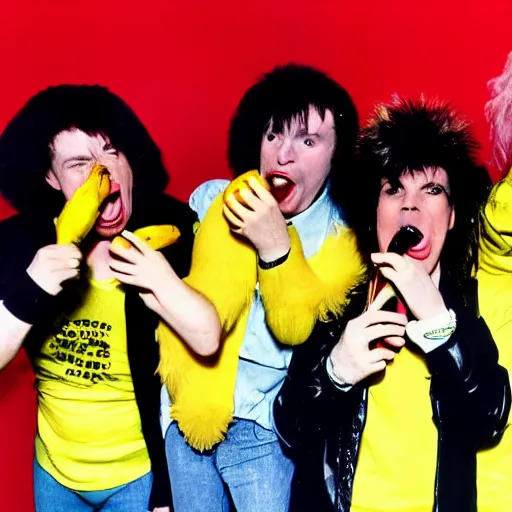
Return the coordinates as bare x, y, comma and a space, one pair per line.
285, 154
410, 201
105, 161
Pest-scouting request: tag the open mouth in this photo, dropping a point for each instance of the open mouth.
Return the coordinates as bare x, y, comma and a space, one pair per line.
411, 241
111, 212
280, 185
406, 238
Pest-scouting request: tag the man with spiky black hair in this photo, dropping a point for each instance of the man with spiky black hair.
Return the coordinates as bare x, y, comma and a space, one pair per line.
87, 314
269, 252
411, 136
386, 409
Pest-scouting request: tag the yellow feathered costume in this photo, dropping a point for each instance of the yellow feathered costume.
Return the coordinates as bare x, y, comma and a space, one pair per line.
295, 295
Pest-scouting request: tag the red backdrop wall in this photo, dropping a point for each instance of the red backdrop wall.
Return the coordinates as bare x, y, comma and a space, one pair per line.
183, 67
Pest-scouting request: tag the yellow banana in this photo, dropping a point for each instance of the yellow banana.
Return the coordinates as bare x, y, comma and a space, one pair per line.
242, 182
157, 237
81, 211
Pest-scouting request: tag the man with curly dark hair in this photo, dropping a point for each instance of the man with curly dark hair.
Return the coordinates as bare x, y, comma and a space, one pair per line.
87, 314
386, 409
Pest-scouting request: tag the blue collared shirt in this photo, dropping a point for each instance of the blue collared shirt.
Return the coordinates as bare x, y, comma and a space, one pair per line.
263, 361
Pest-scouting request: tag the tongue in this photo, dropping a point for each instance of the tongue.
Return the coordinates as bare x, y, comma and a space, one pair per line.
112, 209
421, 250
420, 245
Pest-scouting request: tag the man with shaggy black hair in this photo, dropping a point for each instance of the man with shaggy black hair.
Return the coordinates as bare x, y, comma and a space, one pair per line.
386, 409
269, 252
87, 315
281, 96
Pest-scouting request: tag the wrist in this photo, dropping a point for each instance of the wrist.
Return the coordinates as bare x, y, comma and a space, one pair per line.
266, 265
433, 332
164, 284
432, 309
28, 301
273, 253
334, 377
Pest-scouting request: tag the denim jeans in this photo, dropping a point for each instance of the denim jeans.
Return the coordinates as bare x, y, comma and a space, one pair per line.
248, 467
51, 496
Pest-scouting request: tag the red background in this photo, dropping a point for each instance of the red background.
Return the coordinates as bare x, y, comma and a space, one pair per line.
183, 66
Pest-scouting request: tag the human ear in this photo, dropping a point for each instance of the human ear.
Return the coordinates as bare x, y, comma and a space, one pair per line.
52, 180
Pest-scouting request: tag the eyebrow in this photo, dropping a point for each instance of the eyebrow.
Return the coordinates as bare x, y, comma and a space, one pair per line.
77, 158
304, 131
387, 181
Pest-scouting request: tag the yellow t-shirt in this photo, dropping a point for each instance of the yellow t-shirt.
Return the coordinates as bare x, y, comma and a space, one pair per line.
398, 453
495, 298
89, 430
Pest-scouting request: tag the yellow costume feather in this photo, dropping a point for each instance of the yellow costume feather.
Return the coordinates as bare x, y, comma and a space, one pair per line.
295, 294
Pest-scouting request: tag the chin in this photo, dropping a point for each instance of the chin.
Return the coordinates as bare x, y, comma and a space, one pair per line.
111, 231
287, 212
292, 208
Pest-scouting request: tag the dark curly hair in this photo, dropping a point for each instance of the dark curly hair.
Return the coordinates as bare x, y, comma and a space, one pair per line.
25, 144
409, 136
286, 93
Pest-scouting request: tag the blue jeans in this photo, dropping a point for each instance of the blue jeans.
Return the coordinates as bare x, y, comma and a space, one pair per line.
51, 496
248, 467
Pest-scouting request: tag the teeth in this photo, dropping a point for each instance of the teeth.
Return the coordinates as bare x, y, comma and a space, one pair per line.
278, 182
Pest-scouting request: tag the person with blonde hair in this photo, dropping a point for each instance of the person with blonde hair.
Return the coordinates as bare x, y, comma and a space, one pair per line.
494, 276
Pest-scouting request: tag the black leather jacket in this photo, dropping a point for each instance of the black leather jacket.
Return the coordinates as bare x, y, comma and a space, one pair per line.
322, 425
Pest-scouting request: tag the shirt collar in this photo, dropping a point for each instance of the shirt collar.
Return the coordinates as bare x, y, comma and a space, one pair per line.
313, 225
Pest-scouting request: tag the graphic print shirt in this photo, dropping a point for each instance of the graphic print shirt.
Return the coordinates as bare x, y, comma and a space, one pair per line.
89, 431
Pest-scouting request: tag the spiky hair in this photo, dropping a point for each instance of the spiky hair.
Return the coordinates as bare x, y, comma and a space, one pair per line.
498, 112
410, 136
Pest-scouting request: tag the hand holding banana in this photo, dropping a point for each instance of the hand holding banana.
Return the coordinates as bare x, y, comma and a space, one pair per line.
56, 263
252, 212
138, 263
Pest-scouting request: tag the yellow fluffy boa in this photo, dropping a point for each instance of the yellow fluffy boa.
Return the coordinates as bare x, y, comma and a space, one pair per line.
295, 295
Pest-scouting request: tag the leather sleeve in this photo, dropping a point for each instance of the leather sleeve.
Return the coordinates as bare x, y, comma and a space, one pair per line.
143, 356
143, 351
309, 404
470, 390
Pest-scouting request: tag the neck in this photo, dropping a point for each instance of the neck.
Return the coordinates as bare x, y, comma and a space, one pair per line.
436, 274
97, 258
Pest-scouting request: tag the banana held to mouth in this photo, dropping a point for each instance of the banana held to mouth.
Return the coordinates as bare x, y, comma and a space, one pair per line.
81, 212
242, 183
